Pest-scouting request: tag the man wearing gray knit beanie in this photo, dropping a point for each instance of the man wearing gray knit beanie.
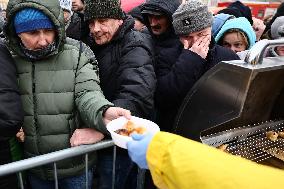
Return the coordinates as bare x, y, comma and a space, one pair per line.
192, 23
127, 78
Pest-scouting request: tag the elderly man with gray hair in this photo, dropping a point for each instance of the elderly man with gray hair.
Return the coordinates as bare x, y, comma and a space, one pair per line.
192, 23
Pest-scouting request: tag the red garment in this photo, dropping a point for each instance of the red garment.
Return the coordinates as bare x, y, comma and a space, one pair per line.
128, 5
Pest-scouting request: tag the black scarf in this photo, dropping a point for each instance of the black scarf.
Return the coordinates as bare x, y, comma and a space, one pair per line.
39, 54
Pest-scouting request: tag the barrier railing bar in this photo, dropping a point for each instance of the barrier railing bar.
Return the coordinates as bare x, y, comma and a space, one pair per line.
55, 175
87, 171
30, 163
113, 167
20, 177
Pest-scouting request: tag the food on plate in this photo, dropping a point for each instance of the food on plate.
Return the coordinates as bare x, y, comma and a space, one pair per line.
130, 128
223, 148
123, 132
272, 135
281, 134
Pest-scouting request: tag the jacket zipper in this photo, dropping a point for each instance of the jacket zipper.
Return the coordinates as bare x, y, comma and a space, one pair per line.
35, 105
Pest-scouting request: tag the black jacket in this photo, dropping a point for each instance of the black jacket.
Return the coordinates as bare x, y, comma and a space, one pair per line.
178, 77
11, 112
77, 27
126, 70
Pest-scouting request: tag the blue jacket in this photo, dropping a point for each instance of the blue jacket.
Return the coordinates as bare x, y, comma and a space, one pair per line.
238, 23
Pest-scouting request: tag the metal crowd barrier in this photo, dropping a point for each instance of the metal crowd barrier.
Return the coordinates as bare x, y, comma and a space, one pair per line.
22, 165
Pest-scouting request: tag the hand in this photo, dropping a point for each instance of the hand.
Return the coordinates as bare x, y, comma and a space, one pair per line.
137, 149
85, 136
21, 135
201, 46
115, 112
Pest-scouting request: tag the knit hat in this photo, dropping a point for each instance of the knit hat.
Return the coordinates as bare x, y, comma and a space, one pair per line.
30, 19
240, 23
191, 16
276, 29
103, 9
218, 21
245, 10
231, 11
66, 5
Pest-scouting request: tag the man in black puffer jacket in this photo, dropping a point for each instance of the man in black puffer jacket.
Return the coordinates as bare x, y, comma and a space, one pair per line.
126, 73
192, 23
11, 114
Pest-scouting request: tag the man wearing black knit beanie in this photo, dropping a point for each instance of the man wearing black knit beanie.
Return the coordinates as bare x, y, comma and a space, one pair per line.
127, 78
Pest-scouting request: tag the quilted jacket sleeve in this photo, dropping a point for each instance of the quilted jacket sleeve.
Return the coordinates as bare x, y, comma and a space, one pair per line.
88, 94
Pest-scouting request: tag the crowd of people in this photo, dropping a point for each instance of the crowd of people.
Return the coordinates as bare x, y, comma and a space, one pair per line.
68, 67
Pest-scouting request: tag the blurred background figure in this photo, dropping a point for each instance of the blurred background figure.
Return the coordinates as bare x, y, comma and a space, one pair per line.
236, 34
258, 27
238, 9
77, 27
139, 21
66, 5
267, 19
277, 31
279, 12
218, 21
3, 13
78, 6
2, 22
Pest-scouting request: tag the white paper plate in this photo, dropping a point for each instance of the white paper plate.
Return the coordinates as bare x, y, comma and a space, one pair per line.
118, 123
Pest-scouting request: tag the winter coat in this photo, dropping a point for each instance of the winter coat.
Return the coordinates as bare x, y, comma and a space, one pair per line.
176, 162
54, 90
11, 112
179, 77
126, 70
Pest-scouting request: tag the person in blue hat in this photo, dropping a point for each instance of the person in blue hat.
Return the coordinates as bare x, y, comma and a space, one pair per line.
218, 21
60, 91
236, 34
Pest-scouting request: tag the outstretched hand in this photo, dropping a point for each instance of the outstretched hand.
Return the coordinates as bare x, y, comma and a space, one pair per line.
114, 112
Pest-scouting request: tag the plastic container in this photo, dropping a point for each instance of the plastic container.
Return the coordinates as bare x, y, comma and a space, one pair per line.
119, 123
